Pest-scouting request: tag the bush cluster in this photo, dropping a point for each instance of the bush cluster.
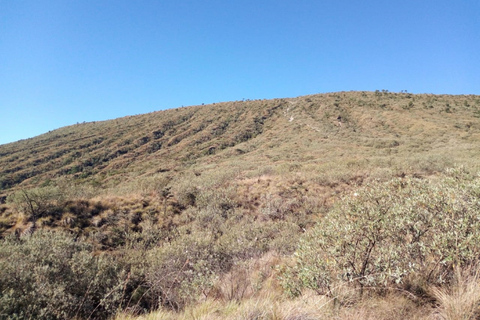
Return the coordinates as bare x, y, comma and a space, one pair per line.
59, 275
386, 234
51, 275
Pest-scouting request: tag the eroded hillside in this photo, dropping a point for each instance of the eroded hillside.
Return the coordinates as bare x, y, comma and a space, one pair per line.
353, 127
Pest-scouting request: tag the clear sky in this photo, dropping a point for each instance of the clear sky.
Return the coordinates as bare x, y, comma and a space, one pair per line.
66, 61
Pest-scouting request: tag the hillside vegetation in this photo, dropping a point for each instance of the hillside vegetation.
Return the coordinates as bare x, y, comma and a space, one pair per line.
299, 208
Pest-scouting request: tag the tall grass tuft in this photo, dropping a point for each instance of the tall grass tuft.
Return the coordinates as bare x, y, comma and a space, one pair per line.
460, 300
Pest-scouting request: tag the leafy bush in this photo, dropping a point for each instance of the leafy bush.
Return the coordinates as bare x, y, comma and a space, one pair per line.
180, 270
385, 232
51, 275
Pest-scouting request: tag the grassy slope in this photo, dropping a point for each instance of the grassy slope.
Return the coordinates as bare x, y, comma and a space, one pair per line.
302, 131
311, 147
260, 171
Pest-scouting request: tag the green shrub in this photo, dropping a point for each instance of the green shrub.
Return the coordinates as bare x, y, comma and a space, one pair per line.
383, 233
182, 269
51, 275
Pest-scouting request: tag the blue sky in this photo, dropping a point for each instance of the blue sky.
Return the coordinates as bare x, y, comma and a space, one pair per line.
63, 62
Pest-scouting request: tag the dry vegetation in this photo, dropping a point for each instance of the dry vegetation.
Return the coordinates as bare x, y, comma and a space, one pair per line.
342, 205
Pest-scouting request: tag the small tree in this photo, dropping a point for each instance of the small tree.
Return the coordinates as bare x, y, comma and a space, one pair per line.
38, 202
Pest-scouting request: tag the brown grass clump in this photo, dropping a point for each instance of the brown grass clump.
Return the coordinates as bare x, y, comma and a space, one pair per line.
460, 300
252, 278
307, 307
393, 307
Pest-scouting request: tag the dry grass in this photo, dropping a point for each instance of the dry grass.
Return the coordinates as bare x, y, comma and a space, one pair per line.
307, 307
391, 307
280, 135
250, 309
242, 295
461, 300
237, 297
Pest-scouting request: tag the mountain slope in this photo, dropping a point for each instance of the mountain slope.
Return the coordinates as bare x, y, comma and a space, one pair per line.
179, 207
312, 129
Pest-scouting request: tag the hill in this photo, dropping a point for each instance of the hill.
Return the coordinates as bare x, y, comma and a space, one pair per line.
311, 131
180, 206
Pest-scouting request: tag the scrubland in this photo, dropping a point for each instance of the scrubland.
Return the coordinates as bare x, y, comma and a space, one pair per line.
350, 205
